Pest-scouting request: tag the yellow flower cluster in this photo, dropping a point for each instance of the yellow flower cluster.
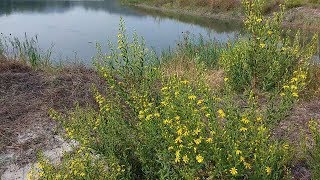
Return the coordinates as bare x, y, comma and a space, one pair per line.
296, 84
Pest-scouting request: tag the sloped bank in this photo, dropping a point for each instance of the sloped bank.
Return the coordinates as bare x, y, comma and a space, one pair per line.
305, 17
26, 97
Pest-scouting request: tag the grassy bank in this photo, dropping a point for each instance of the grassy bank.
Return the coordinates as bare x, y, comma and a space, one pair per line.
299, 14
242, 110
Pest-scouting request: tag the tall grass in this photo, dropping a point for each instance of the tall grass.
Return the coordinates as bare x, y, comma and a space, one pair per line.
195, 48
26, 50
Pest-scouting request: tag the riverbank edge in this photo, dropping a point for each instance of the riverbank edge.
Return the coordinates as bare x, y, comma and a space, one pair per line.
289, 20
76, 80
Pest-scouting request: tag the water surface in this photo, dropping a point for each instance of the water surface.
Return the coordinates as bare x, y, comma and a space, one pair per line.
73, 27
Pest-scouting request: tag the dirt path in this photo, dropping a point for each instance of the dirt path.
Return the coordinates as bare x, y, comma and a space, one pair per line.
25, 98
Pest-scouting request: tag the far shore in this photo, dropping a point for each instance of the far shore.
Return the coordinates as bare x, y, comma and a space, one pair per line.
305, 18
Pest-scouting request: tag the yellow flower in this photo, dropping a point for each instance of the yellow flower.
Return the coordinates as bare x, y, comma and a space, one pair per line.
82, 174
238, 152
192, 97
197, 131
185, 159
286, 87
233, 171
170, 148
178, 140
41, 173
262, 45
259, 20
303, 76
149, 117
221, 113
203, 108
226, 79
164, 103
259, 119
241, 159
209, 140
200, 102
177, 118
185, 82
282, 94
179, 132
164, 88
293, 87
295, 94
247, 165
199, 158
40, 166
268, 170
270, 32
177, 159
176, 93
294, 79
245, 120
243, 129
186, 133
207, 115
167, 121
156, 114
197, 141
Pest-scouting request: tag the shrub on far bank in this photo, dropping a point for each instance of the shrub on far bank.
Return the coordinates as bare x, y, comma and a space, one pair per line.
266, 59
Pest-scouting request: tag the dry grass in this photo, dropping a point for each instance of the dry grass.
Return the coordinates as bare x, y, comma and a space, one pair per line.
221, 5
188, 69
313, 88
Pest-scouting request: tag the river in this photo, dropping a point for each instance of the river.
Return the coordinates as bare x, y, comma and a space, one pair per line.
74, 27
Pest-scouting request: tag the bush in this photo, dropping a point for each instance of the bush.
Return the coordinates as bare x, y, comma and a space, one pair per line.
267, 58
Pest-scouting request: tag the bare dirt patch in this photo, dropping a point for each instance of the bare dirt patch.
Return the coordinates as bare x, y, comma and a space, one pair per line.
295, 129
303, 17
26, 96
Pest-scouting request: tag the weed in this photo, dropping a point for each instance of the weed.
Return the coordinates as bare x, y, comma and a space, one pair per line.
26, 51
266, 60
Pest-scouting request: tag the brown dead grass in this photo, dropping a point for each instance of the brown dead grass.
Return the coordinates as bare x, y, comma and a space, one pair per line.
187, 69
294, 129
25, 98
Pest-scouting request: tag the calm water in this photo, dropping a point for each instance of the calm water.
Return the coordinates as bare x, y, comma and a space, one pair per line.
73, 27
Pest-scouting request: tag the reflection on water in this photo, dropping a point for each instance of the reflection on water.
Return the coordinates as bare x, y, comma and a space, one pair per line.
74, 26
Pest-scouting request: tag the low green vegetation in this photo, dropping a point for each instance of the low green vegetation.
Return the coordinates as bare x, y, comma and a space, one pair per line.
202, 111
266, 60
